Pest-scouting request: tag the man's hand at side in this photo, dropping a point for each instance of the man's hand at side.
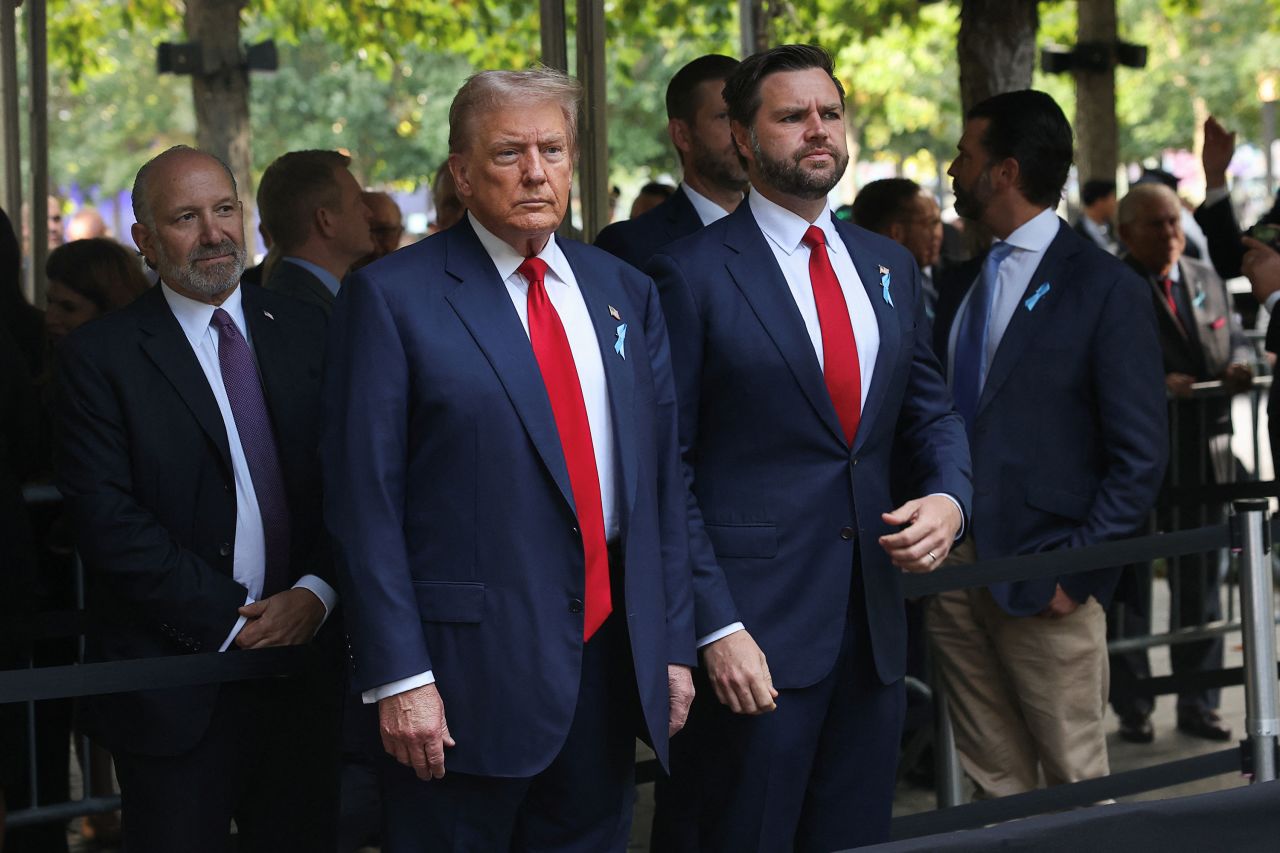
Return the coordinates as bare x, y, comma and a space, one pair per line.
932, 524
739, 674
1179, 384
679, 696
1060, 605
414, 730
287, 618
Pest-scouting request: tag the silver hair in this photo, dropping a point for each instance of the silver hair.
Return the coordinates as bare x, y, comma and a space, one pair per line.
1139, 195
490, 89
142, 204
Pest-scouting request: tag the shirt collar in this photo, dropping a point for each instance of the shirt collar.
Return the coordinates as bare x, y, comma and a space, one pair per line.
1036, 233
708, 211
507, 260
328, 279
194, 317
787, 229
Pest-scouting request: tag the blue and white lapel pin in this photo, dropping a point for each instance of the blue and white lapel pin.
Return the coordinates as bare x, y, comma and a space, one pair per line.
884, 285
1037, 296
620, 345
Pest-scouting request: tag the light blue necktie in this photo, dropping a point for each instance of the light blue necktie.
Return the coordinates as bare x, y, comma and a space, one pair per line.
969, 368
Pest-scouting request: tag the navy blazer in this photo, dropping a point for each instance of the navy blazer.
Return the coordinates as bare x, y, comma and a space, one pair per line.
144, 464
637, 240
787, 514
300, 283
1071, 437
451, 505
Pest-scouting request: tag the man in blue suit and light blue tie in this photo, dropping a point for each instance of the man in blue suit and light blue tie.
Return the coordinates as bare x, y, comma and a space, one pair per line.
801, 359
713, 181
1051, 349
501, 454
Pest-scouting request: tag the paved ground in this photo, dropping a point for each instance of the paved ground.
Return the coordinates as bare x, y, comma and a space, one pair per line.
1169, 745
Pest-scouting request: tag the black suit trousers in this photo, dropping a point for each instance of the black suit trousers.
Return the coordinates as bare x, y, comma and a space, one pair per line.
269, 760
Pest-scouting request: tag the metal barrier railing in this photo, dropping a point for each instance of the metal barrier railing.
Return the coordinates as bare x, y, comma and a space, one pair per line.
1259, 677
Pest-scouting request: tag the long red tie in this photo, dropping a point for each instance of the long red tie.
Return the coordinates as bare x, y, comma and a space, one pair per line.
839, 348
560, 375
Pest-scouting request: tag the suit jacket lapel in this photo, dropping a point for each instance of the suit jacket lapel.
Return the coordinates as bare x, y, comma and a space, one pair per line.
755, 270
868, 267
168, 348
274, 355
682, 216
601, 292
1026, 323
483, 304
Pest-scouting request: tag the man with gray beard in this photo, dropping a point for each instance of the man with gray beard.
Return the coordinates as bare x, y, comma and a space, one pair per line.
187, 439
801, 359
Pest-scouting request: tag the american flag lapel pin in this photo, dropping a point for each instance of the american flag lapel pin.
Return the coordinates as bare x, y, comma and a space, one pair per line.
613, 312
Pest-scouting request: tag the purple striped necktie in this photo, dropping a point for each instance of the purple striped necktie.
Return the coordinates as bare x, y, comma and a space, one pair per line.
257, 440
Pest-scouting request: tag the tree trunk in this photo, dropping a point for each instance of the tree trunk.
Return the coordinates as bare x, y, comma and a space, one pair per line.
1097, 141
220, 90
996, 47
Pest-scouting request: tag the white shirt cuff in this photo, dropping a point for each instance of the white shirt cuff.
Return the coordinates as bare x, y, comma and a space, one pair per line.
404, 685
1215, 195
1271, 302
959, 509
721, 634
328, 597
226, 644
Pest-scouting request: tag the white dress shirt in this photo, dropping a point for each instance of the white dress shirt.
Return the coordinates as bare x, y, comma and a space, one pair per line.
565, 295
784, 232
1030, 241
708, 211
249, 556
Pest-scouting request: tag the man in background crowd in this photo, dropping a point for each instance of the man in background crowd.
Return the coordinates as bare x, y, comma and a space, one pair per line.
314, 210
1098, 214
713, 179
906, 213
1200, 340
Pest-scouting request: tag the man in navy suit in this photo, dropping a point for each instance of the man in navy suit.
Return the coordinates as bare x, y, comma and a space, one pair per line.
801, 358
1051, 350
501, 450
713, 178
313, 208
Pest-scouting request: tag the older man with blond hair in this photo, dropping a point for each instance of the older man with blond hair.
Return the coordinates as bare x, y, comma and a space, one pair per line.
500, 443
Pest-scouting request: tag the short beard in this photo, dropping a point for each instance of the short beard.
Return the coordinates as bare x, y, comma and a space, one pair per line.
721, 169
206, 282
791, 178
972, 204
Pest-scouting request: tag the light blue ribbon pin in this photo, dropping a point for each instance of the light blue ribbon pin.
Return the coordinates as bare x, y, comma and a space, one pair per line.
1199, 300
1035, 297
620, 345
884, 284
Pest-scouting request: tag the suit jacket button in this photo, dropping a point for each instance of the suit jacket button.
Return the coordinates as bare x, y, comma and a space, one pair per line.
225, 549
846, 533
575, 605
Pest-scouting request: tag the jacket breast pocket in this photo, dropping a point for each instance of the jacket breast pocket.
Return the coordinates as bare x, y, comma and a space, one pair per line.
759, 541
449, 601
1059, 501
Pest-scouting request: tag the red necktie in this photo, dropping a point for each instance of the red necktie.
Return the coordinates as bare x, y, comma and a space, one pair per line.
560, 375
1167, 284
839, 349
